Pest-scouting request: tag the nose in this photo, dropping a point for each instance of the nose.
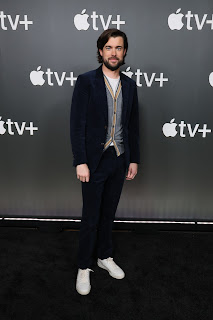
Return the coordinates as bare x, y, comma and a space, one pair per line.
113, 52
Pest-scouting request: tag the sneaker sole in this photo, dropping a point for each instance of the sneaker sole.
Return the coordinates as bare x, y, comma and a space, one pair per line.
111, 274
83, 293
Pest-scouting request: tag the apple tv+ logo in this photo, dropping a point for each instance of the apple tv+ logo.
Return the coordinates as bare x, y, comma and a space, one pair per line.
8, 23
169, 129
14, 127
193, 21
81, 21
37, 77
211, 79
144, 78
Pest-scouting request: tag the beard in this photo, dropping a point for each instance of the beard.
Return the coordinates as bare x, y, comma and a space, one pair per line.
113, 67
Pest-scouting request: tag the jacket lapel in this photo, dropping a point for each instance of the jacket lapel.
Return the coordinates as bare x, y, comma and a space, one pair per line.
101, 91
102, 96
125, 95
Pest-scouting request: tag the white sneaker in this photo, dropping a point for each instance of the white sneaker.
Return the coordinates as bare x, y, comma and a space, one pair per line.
83, 282
114, 270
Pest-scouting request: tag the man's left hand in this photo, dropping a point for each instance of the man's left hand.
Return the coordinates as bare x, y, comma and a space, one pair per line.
132, 171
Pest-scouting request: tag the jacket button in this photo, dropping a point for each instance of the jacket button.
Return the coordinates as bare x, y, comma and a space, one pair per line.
102, 143
105, 127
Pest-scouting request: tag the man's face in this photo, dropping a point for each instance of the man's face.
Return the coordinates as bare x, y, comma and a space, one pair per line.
113, 53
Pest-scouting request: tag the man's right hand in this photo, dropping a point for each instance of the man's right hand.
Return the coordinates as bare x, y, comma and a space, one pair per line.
83, 172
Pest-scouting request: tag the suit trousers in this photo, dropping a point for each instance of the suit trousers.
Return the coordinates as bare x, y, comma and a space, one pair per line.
100, 200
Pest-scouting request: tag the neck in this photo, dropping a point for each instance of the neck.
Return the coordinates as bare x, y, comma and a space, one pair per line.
112, 74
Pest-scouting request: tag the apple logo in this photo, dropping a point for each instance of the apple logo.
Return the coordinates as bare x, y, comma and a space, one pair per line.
175, 20
169, 129
80, 21
36, 77
2, 128
128, 73
211, 79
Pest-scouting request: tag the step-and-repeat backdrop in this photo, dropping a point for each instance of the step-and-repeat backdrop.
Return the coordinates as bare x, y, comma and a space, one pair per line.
45, 45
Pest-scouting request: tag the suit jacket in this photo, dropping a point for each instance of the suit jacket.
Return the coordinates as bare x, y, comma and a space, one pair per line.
89, 119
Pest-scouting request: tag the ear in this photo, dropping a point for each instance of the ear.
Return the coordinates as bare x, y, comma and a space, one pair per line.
101, 52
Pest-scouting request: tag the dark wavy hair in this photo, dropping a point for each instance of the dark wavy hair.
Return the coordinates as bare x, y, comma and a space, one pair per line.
104, 37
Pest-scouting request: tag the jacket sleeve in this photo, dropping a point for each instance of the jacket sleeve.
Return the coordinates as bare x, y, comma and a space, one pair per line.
133, 129
78, 112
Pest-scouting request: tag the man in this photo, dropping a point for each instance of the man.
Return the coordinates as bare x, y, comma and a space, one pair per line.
105, 145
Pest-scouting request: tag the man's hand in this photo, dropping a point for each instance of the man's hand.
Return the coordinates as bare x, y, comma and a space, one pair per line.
132, 171
83, 172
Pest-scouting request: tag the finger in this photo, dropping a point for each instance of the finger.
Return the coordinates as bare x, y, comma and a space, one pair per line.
129, 174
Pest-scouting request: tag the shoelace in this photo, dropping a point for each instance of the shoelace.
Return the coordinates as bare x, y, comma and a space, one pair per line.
84, 274
112, 263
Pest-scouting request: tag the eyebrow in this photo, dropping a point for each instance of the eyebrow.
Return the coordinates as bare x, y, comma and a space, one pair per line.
116, 46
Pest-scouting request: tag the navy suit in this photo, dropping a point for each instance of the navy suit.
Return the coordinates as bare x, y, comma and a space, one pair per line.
89, 117
88, 128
